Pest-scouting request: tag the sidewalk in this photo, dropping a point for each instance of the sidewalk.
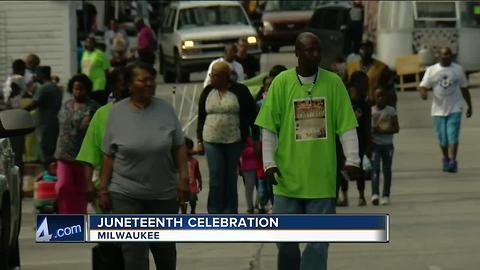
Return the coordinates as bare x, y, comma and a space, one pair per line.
434, 215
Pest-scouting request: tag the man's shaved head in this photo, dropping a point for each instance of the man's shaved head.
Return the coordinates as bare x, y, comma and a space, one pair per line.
303, 37
307, 51
446, 56
446, 50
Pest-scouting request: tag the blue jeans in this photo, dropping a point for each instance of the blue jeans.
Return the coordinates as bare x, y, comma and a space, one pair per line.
315, 255
383, 154
223, 160
265, 191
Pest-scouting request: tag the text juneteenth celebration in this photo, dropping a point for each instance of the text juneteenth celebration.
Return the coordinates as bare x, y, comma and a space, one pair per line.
192, 222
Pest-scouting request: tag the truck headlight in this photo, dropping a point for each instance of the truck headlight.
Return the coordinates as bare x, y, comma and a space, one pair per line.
188, 44
267, 26
252, 40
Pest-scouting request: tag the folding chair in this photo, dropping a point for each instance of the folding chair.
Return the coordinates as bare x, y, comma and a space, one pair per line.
408, 65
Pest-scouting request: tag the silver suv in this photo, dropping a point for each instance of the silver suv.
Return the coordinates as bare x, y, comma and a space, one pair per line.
194, 33
12, 123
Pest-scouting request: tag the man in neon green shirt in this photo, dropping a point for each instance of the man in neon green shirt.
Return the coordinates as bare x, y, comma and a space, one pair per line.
91, 150
95, 65
304, 109
94, 138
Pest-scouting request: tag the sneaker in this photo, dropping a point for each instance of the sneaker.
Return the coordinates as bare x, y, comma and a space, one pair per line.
445, 163
452, 166
362, 201
385, 200
375, 199
342, 199
342, 202
268, 206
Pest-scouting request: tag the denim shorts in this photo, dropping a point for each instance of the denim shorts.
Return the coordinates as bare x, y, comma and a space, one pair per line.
447, 128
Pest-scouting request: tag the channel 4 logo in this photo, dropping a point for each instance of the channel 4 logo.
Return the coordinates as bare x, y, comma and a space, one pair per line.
60, 228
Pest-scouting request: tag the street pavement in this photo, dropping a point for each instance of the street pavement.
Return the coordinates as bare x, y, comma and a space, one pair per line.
434, 215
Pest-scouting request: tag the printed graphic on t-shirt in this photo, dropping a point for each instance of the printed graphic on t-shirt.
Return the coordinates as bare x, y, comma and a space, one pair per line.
445, 83
87, 66
385, 123
310, 121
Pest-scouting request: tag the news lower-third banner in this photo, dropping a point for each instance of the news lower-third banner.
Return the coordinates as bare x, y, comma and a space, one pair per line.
213, 228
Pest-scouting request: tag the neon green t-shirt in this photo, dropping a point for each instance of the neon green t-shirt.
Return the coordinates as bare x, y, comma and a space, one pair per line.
255, 84
91, 149
94, 65
306, 127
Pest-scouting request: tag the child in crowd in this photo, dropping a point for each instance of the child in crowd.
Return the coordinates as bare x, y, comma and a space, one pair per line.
363, 113
384, 125
360, 80
195, 179
248, 168
387, 83
44, 197
264, 186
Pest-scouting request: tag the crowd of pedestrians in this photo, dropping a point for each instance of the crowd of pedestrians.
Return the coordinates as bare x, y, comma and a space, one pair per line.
296, 140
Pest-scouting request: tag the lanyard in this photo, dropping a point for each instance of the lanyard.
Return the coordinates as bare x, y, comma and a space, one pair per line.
309, 91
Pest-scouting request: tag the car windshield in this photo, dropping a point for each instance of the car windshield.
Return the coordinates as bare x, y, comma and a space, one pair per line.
279, 5
329, 18
211, 16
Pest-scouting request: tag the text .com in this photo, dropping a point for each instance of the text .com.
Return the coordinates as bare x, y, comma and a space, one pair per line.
43, 234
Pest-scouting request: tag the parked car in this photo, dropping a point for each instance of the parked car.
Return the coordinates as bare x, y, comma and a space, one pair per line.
282, 21
12, 123
330, 24
194, 33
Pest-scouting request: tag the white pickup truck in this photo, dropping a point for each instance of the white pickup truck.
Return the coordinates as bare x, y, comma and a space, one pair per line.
194, 33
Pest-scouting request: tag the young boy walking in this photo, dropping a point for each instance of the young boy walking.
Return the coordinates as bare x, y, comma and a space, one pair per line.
384, 125
363, 114
248, 169
195, 180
